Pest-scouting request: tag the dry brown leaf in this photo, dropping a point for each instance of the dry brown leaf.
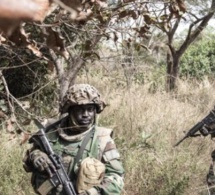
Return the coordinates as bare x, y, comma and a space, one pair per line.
34, 10
35, 50
2, 39
148, 19
181, 5
76, 9
2, 114
13, 12
54, 40
9, 126
123, 14
19, 37
50, 66
24, 138
142, 30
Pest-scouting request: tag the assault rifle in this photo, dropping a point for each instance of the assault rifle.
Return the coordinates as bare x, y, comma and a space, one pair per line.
208, 121
59, 175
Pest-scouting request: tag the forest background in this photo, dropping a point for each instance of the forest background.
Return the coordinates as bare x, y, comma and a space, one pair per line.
153, 62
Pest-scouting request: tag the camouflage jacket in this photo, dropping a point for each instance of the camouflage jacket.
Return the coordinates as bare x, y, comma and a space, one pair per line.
100, 146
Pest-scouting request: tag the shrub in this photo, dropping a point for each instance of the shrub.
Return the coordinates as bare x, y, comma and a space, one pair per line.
199, 59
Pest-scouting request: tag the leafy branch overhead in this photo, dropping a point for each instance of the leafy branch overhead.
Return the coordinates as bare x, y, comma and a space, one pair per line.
57, 22
71, 29
67, 31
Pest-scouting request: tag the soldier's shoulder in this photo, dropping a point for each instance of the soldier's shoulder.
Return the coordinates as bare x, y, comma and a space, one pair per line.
104, 131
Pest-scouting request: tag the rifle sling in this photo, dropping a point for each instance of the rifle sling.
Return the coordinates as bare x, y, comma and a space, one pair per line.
81, 150
56, 123
83, 146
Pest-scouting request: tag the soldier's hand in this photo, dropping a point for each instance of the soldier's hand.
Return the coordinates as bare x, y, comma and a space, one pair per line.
205, 130
208, 129
41, 161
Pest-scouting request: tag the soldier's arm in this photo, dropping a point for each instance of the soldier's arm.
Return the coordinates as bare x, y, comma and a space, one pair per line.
113, 180
27, 163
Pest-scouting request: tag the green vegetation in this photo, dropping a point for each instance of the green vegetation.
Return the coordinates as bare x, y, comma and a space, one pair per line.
199, 59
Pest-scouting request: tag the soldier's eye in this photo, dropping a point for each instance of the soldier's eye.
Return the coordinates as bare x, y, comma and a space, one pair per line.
90, 108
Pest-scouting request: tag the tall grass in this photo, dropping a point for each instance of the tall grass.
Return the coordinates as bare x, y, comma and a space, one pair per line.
13, 178
146, 126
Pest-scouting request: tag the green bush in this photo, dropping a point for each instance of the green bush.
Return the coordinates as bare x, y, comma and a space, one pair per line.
199, 59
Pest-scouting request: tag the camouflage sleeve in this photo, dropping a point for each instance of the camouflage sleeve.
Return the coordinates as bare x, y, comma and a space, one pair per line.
37, 178
113, 181
27, 164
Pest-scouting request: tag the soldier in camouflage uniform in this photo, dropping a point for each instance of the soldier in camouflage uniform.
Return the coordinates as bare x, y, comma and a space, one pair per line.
210, 179
211, 175
88, 152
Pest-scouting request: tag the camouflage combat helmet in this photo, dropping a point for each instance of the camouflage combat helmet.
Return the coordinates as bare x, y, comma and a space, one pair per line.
80, 94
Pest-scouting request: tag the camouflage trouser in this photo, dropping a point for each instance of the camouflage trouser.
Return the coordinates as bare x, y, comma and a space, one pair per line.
211, 175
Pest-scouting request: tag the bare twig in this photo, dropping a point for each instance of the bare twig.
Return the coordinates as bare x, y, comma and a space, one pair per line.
18, 66
61, 4
10, 99
191, 36
37, 89
7, 92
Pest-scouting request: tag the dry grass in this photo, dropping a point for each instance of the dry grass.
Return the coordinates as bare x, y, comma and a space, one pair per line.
146, 126
13, 178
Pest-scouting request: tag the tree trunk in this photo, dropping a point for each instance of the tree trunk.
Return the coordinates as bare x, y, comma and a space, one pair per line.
68, 78
172, 71
67, 71
173, 56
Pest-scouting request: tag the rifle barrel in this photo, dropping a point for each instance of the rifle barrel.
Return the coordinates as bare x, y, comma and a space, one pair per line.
191, 132
180, 141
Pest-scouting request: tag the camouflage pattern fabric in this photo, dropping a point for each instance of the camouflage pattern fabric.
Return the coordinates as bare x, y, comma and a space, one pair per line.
101, 146
211, 175
80, 94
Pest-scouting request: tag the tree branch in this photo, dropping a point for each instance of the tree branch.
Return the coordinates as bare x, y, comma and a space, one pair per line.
191, 36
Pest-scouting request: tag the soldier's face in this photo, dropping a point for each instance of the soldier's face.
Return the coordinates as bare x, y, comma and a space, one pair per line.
83, 114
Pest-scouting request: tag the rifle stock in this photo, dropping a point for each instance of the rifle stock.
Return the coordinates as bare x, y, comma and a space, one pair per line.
59, 176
